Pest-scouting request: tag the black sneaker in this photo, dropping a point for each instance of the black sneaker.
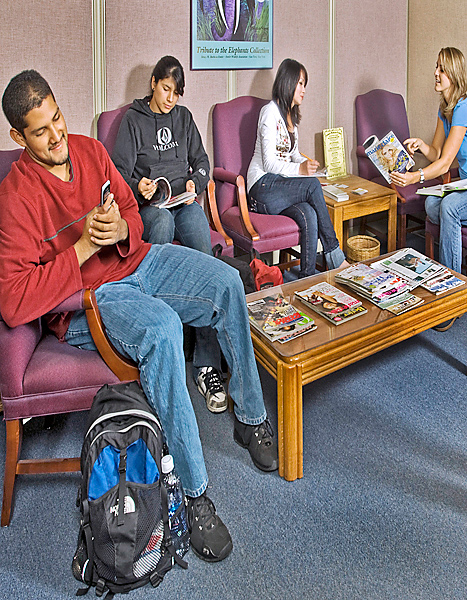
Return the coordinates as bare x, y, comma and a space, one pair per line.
210, 386
210, 538
260, 443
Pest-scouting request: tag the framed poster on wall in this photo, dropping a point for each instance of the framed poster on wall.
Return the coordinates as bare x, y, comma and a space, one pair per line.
231, 34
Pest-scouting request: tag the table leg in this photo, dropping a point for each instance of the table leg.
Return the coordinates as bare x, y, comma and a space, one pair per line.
290, 421
392, 226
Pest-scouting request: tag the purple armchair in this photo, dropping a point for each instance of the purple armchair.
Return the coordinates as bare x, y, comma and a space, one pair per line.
39, 376
234, 125
108, 124
378, 112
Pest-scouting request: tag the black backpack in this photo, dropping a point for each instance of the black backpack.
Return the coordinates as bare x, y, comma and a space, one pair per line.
242, 267
120, 550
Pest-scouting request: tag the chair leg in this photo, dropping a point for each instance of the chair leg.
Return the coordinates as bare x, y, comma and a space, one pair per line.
14, 436
429, 245
402, 233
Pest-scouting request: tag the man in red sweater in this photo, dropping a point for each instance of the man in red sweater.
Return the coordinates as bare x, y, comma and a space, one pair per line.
57, 238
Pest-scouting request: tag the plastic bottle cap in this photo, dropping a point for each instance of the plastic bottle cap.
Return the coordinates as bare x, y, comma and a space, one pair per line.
167, 463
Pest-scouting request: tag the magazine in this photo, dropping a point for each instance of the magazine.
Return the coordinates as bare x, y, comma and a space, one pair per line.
387, 154
277, 319
403, 304
163, 198
305, 325
371, 282
445, 281
411, 265
272, 312
384, 288
331, 303
442, 189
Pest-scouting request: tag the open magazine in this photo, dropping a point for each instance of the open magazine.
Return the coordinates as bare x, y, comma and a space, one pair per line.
387, 154
163, 195
443, 188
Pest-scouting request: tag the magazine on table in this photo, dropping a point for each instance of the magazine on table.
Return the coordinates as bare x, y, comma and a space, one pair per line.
401, 304
163, 198
387, 154
442, 283
331, 303
277, 319
443, 188
371, 282
384, 288
411, 265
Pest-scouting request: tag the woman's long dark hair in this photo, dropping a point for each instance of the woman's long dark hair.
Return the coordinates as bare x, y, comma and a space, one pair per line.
169, 66
283, 89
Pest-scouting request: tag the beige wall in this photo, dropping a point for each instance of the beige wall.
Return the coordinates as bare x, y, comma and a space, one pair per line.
56, 39
431, 28
365, 59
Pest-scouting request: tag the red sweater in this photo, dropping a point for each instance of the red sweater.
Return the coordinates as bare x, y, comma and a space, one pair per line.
41, 217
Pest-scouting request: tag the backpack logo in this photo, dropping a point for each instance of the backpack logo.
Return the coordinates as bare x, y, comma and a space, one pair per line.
128, 507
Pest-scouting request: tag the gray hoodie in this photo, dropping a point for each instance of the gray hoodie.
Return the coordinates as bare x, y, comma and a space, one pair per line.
152, 145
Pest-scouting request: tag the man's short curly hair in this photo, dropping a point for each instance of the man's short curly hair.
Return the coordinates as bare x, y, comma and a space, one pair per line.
26, 91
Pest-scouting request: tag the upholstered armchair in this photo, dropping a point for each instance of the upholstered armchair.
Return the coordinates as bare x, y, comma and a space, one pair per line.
377, 112
234, 125
108, 124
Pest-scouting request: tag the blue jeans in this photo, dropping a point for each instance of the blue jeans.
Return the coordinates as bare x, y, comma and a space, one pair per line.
187, 224
143, 315
301, 199
450, 213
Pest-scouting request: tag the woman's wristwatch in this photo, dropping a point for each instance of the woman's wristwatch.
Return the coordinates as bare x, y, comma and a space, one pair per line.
422, 175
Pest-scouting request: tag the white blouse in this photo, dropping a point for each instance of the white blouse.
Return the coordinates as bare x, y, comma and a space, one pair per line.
273, 152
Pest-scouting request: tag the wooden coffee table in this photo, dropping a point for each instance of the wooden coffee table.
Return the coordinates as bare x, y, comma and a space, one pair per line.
332, 347
377, 199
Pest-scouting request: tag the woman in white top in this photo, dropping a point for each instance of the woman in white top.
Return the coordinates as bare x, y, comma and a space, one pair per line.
278, 179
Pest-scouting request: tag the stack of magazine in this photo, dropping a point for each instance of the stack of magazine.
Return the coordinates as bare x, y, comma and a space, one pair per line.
409, 264
389, 281
442, 282
277, 319
331, 303
385, 289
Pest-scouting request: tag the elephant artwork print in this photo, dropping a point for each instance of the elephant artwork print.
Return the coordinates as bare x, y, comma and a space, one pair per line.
231, 34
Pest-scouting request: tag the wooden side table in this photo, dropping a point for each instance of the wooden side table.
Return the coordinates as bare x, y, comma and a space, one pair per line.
377, 199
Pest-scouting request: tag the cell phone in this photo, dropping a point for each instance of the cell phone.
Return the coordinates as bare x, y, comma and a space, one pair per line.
105, 191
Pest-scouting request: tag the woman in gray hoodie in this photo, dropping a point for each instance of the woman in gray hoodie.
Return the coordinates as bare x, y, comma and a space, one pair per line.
157, 137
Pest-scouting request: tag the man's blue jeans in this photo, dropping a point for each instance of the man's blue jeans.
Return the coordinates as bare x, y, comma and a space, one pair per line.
143, 315
301, 199
450, 213
187, 224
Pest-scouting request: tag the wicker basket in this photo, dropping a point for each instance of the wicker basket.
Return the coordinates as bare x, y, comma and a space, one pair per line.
362, 247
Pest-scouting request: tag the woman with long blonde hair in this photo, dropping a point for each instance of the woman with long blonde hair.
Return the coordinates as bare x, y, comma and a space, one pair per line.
449, 142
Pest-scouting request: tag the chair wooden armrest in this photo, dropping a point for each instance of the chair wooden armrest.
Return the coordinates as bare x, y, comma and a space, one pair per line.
243, 206
239, 182
124, 368
213, 213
